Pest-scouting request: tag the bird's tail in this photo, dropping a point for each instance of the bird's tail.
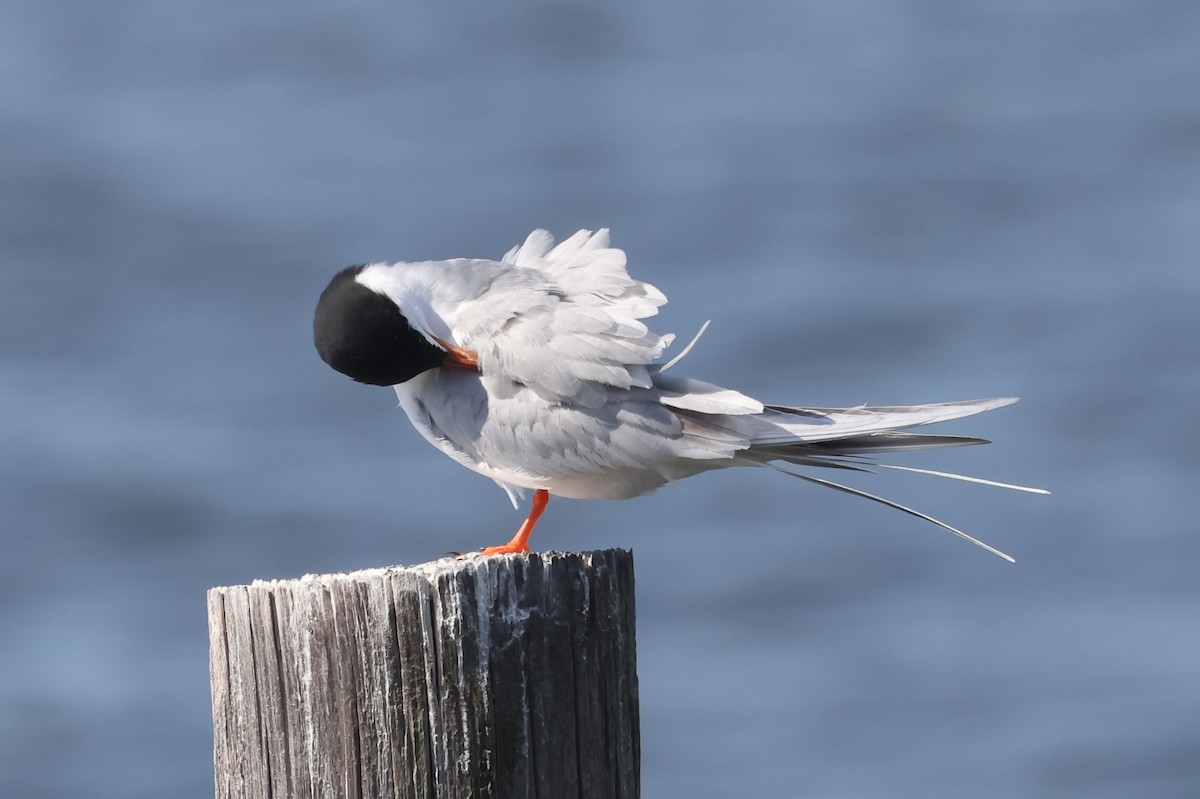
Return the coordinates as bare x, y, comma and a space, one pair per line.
848, 438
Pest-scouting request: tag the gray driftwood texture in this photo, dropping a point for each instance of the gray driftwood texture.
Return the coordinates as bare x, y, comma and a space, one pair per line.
493, 677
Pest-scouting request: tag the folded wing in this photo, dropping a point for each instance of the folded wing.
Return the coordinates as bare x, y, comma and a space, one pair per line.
564, 320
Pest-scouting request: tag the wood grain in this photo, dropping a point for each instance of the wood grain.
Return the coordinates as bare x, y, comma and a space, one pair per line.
511, 676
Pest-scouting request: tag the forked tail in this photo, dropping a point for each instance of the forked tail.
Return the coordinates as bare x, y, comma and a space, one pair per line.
847, 438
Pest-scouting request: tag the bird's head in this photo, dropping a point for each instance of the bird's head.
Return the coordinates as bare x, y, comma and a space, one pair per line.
363, 334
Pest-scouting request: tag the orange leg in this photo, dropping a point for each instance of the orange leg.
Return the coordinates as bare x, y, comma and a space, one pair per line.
520, 541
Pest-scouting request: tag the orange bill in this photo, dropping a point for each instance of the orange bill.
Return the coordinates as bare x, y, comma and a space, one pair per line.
457, 356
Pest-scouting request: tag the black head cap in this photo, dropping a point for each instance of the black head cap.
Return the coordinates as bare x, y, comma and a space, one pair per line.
363, 335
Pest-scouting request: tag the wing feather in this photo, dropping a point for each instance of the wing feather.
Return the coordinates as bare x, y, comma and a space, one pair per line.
562, 320
582, 335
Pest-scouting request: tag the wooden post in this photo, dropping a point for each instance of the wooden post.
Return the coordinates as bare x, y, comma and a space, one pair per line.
497, 677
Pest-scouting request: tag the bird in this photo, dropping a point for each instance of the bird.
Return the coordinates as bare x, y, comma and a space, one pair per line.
539, 372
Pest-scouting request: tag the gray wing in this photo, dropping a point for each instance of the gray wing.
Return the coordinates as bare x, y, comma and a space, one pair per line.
563, 320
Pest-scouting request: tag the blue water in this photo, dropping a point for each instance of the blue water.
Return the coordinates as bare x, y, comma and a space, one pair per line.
873, 201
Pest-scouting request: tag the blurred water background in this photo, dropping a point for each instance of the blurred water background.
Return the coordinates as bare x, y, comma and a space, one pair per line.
884, 202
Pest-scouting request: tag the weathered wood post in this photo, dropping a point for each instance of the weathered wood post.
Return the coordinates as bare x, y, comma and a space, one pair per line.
496, 677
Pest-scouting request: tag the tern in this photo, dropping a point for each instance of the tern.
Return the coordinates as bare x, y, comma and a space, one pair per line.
537, 371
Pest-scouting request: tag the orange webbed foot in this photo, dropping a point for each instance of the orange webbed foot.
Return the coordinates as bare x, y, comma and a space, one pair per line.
505, 549
520, 541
